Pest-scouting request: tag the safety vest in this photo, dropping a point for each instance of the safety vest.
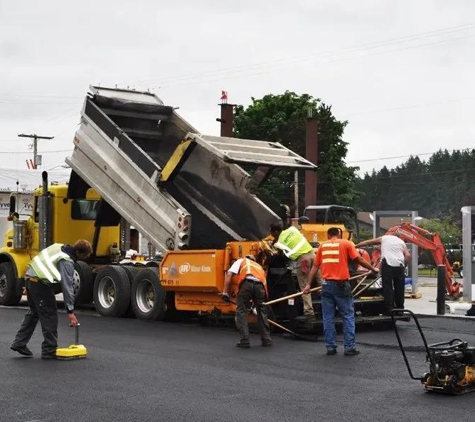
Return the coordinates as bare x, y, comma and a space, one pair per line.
250, 268
45, 264
293, 243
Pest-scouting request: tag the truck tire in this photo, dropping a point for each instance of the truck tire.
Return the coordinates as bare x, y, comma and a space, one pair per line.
147, 296
131, 272
83, 283
112, 291
10, 290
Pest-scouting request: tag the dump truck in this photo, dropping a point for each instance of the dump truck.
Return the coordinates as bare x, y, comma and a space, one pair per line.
136, 160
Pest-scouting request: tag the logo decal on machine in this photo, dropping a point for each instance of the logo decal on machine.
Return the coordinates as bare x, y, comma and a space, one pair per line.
184, 268
188, 268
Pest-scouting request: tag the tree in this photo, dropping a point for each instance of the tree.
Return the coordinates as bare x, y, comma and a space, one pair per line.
437, 188
448, 231
281, 118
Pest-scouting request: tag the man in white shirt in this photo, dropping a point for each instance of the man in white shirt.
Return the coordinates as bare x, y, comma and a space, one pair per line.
394, 258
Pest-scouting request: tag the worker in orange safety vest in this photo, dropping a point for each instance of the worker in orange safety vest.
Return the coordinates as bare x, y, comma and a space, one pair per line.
252, 285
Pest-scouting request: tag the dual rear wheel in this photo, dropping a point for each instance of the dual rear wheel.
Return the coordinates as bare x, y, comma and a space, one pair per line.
117, 290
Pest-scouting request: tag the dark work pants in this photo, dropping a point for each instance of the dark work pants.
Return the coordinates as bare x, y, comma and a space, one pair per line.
250, 290
42, 302
393, 285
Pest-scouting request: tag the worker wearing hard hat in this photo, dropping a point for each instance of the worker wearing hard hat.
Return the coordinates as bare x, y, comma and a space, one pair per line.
252, 285
295, 247
51, 267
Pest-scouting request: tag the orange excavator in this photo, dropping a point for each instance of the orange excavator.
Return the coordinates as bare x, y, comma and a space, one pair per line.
430, 241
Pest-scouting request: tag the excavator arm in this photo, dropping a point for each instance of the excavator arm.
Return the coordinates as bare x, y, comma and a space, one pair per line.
430, 241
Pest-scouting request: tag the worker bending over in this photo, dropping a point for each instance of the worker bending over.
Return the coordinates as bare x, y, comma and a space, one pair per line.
333, 258
51, 266
295, 247
252, 285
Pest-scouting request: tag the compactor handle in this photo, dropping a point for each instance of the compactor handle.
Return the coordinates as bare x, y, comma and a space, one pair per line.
76, 333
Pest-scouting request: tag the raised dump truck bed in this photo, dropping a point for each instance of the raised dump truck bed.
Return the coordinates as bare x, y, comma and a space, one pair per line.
157, 170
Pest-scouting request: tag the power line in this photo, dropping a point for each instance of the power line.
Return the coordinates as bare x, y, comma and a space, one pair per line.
238, 70
314, 56
43, 152
352, 115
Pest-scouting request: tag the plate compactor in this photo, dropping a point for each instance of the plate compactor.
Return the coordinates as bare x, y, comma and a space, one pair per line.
451, 363
73, 351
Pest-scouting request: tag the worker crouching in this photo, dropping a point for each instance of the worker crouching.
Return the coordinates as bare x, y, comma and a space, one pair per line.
252, 285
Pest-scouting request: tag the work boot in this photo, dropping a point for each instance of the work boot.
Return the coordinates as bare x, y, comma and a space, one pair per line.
352, 352
243, 344
331, 352
49, 357
22, 350
266, 342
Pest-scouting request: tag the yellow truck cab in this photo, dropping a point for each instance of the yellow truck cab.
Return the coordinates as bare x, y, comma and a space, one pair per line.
68, 221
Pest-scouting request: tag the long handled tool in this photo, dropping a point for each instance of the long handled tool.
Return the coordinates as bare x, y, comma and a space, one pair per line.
292, 332
359, 284
360, 275
74, 351
315, 289
280, 299
355, 295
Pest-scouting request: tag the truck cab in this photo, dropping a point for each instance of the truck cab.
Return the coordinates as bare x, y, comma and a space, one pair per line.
67, 221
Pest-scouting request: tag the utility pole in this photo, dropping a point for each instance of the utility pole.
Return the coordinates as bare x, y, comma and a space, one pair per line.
35, 138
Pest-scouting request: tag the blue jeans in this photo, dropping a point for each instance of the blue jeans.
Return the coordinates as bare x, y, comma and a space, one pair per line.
337, 295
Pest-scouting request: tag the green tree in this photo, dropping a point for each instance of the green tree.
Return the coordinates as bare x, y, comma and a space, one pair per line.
281, 118
437, 188
448, 231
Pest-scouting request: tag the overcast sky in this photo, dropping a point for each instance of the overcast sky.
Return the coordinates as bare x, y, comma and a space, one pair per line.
402, 73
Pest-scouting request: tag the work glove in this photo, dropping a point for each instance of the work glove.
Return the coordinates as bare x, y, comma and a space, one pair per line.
225, 297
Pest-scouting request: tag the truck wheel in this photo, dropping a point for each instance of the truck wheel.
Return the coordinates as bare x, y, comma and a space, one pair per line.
131, 272
112, 291
83, 283
148, 297
10, 289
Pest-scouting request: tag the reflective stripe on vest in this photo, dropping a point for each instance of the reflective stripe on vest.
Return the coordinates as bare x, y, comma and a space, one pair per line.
251, 268
293, 243
330, 252
45, 264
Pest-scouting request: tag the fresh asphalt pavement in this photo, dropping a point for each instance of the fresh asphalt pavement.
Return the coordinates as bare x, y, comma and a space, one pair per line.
159, 371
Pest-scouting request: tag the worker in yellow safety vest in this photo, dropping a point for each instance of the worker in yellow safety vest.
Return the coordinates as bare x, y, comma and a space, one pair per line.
52, 266
294, 246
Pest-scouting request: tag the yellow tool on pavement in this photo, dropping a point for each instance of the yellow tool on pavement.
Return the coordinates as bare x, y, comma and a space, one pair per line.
74, 351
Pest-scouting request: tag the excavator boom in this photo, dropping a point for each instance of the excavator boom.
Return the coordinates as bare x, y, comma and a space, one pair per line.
429, 241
